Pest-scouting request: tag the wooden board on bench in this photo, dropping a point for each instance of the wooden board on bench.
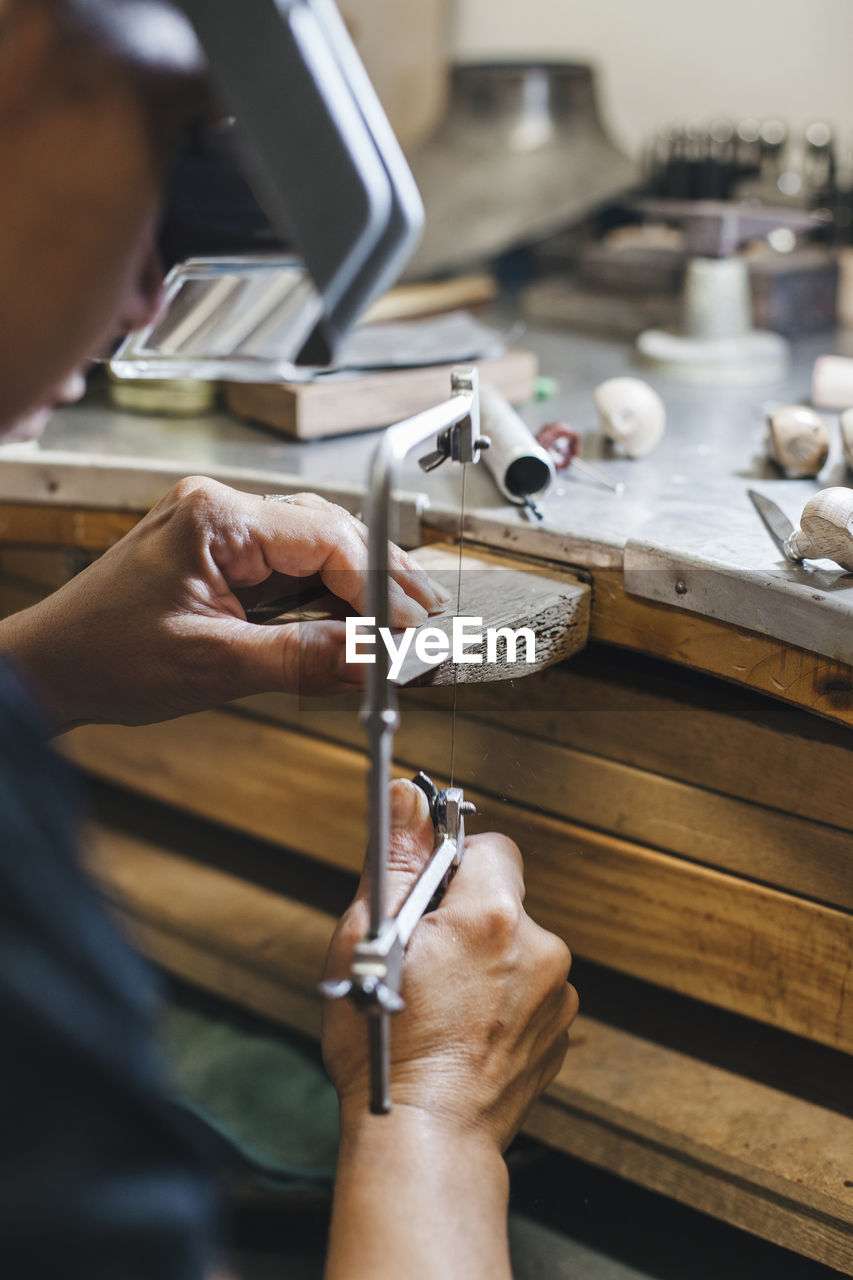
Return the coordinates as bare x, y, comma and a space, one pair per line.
335, 406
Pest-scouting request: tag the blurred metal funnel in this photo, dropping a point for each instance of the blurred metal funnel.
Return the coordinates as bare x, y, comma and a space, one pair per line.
520, 154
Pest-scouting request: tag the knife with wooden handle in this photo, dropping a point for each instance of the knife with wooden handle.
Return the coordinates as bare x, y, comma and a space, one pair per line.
826, 527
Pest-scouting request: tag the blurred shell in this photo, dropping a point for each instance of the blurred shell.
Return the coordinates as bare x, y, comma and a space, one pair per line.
797, 440
632, 415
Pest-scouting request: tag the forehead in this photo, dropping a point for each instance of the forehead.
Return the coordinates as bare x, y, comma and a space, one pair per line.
155, 44
152, 36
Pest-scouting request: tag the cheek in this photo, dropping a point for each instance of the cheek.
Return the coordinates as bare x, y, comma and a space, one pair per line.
74, 236
110, 246
30, 427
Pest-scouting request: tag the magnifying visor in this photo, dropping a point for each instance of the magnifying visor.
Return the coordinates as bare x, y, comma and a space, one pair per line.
316, 145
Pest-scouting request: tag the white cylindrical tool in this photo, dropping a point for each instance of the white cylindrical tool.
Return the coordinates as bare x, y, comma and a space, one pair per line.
846, 424
522, 469
832, 382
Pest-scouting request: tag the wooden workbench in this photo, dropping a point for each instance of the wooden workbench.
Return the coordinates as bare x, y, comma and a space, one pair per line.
680, 792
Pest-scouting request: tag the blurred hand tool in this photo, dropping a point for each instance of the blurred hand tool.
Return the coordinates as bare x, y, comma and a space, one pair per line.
563, 444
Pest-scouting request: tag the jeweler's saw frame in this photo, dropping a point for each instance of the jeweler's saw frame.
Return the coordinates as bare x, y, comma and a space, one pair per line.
377, 967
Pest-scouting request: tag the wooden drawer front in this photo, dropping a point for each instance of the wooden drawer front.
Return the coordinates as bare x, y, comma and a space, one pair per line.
706, 933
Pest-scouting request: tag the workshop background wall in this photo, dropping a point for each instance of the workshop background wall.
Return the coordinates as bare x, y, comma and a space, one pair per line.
404, 45
663, 61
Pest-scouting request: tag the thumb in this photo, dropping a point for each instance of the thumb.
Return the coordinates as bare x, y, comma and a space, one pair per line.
411, 845
295, 657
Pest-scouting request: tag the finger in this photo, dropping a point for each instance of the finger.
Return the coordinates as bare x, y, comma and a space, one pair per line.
242, 658
414, 580
572, 1005
491, 875
411, 845
332, 546
297, 657
558, 1011
556, 957
554, 1060
334, 543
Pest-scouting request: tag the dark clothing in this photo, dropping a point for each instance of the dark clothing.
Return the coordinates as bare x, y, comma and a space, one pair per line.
95, 1181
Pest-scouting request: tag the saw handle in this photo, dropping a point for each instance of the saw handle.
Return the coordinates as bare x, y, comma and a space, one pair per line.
376, 973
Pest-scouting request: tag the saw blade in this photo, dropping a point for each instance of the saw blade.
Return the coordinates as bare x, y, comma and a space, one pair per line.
458, 612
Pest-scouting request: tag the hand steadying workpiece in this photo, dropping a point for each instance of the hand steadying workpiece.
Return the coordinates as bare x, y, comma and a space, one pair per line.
485, 1029
155, 628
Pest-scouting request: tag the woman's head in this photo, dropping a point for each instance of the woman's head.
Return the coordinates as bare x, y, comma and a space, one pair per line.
89, 123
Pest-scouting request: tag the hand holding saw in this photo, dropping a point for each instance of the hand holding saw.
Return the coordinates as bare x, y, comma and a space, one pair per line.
377, 967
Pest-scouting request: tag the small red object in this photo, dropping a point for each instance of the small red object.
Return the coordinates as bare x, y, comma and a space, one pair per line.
561, 442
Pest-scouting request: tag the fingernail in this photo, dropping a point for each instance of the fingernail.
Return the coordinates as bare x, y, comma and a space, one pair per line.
404, 803
440, 592
411, 614
441, 598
